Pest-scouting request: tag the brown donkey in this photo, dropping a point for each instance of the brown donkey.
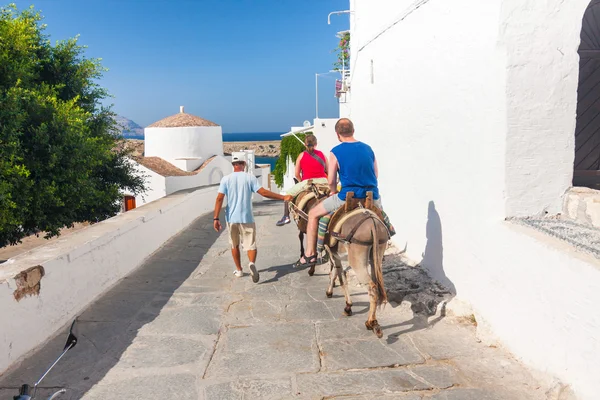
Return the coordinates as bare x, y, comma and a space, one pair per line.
365, 237
300, 207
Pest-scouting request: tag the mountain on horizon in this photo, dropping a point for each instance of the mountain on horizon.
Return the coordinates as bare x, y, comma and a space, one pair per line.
128, 128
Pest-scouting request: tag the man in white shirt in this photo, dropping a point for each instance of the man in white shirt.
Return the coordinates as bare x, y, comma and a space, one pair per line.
239, 187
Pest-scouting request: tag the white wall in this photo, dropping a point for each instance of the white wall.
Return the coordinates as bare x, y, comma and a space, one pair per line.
185, 142
210, 175
470, 109
82, 268
155, 184
542, 69
325, 132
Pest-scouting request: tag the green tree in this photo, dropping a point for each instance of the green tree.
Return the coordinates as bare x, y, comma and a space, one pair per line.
60, 162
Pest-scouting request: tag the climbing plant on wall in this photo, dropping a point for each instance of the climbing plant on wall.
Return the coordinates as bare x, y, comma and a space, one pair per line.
343, 53
290, 147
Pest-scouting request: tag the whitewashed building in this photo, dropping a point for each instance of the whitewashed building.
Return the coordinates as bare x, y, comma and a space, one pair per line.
472, 109
179, 152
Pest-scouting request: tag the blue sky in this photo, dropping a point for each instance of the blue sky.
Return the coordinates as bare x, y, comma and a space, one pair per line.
248, 65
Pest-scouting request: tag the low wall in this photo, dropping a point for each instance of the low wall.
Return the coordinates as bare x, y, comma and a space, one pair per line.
43, 290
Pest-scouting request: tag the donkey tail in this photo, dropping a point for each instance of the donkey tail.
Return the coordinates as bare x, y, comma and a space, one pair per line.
378, 267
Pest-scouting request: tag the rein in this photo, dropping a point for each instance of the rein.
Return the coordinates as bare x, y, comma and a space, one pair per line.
319, 195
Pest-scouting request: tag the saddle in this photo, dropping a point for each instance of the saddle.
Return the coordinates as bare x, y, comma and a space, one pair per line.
352, 207
312, 191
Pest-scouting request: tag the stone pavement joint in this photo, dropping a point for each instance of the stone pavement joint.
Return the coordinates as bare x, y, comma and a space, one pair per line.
181, 327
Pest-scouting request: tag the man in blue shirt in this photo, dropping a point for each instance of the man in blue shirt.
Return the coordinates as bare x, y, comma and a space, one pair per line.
239, 187
356, 164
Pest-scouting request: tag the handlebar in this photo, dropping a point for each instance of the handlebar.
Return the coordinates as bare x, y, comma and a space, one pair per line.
23, 393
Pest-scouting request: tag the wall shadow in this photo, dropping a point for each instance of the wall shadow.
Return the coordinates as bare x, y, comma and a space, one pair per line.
433, 256
425, 286
108, 327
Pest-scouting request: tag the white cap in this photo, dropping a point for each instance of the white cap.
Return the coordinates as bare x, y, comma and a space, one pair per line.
238, 156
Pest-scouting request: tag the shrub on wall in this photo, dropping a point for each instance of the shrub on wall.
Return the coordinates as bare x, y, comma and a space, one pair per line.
290, 147
343, 53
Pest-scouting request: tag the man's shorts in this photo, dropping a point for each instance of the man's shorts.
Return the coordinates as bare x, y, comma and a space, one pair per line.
300, 186
244, 234
332, 203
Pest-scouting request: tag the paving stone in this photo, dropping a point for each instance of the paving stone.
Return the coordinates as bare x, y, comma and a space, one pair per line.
308, 311
268, 348
356, 354
253, 311
179, 299
180, 387
192, 320
169, 351
372, 382
490, 367
117, 305
251, 389
399, 396
217, 284
472, 394
445, 341
347, 328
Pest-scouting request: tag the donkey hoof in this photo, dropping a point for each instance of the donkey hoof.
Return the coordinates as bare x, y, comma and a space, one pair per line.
368, 325
311, 271
348, 312
378, 332
329, 295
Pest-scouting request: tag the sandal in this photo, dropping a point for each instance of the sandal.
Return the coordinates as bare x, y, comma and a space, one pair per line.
308, 262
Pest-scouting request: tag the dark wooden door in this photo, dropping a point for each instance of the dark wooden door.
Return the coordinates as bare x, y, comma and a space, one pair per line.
587, 132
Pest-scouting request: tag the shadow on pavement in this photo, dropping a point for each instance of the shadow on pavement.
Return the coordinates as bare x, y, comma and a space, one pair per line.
108, 327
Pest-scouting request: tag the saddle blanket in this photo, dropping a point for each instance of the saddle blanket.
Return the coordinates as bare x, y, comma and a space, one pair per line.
324, 224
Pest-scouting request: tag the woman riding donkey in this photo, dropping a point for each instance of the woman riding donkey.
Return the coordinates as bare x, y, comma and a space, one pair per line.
310, 165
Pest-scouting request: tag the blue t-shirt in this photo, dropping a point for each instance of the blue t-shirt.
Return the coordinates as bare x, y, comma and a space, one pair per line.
239, 187
356, 163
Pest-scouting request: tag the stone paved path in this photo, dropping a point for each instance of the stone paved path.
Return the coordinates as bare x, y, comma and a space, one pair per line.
181, 327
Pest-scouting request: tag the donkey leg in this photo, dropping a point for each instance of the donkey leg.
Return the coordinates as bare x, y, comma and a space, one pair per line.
372, 323
344, 284
333, 261
359, 256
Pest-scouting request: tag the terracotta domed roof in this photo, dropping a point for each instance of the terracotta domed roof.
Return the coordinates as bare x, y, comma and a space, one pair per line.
180, 120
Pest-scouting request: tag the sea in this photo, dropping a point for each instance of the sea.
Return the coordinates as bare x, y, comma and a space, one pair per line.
248, 137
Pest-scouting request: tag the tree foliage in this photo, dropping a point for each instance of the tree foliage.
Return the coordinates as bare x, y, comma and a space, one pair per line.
59, 159
290, 148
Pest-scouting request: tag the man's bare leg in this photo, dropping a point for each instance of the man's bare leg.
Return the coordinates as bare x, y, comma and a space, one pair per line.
311, 230
252, 255
237, 257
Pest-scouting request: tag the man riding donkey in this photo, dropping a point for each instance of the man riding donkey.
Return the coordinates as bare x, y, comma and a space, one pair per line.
311, 166
357, 167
